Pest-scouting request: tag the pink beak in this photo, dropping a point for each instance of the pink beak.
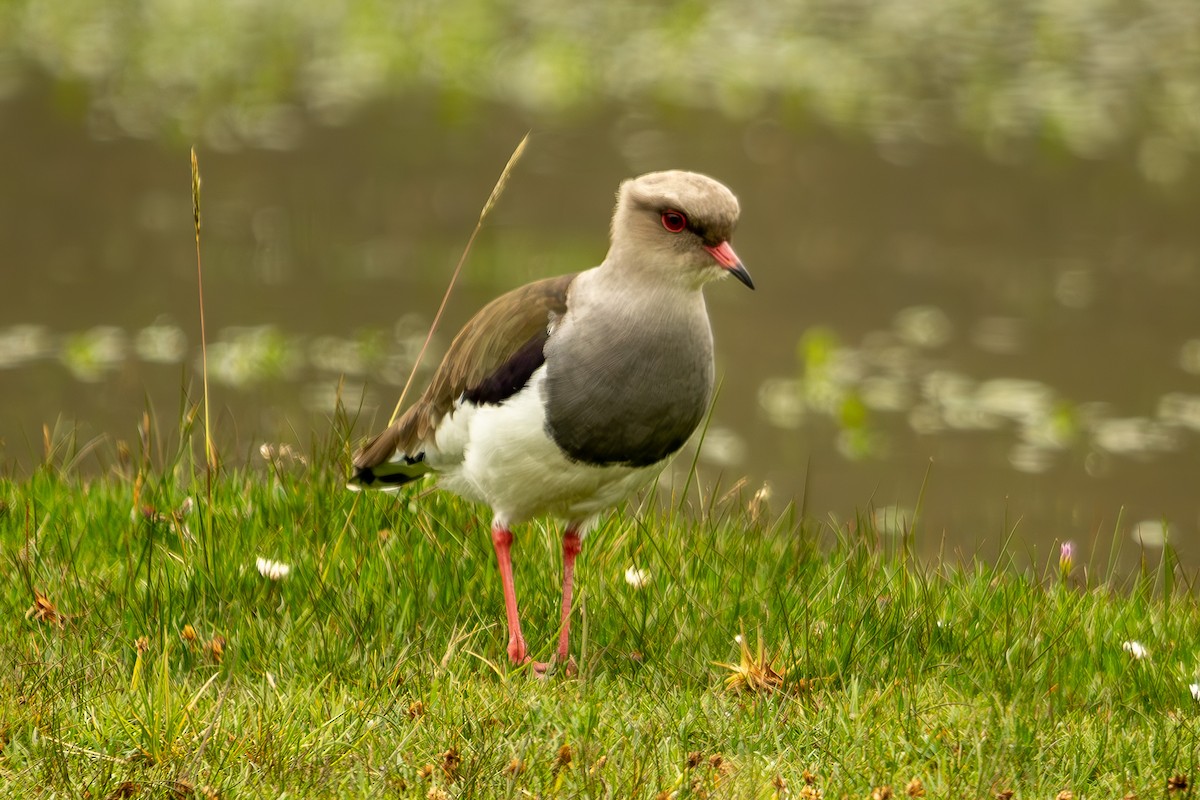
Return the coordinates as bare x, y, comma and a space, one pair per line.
728, 259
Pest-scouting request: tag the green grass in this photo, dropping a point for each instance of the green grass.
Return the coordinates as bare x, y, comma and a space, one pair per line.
377, 668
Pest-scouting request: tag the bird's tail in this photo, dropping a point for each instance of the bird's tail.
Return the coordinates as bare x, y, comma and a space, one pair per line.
378, 465
388, 476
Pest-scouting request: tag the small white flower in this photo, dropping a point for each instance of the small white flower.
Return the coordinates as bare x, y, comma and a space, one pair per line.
1195, 687
737, 639
637, 578
275, 570
1135, 649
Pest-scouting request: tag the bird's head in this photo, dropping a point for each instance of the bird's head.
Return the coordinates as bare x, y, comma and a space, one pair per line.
679, 224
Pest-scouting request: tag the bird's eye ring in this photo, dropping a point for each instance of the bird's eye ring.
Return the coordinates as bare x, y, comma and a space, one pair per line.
673, 221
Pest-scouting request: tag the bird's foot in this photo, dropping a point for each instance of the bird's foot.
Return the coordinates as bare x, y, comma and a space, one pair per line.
516, 650
543, 669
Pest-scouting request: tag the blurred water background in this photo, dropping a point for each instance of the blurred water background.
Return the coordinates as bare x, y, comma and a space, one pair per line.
974, 228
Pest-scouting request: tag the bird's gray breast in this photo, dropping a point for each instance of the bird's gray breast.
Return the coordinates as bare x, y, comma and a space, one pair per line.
628, 391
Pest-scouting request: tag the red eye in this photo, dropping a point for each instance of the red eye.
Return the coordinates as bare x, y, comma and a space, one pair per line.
674, 221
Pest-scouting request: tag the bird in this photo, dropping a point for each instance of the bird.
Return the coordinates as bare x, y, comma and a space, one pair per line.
566, 396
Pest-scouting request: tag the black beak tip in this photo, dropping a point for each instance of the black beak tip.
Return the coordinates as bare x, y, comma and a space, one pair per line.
742, 275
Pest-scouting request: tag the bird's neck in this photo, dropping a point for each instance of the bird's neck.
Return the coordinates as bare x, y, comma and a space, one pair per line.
630, 271
628, 293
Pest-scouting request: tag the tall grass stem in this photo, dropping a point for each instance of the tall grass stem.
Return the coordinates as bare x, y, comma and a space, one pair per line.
497, 190
210, 454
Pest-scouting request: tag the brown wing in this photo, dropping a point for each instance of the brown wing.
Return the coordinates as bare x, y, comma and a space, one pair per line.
490, 359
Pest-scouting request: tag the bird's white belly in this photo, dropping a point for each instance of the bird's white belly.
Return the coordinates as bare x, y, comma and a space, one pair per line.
502, 455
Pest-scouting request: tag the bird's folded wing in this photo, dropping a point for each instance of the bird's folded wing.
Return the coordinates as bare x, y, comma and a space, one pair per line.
490, 360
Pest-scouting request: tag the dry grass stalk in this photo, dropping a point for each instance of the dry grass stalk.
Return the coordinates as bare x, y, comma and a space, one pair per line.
497, 190
209, 453
754, 672
45, 611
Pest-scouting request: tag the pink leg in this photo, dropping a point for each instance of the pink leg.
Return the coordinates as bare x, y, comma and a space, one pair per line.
571, 547
502, 541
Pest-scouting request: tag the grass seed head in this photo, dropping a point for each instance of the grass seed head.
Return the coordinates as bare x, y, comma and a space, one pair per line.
416, 709
450, 763
142, 644
125, 790
426, 772
563, 758
758, 505
196, 192
694, 758
915, 788
216, 648
1177, 783
502, 181
514, 768
881, 793
809, 792
1065, 794
437, 793
1005, 794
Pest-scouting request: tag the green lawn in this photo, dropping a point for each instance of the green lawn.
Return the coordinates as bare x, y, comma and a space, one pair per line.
377, 666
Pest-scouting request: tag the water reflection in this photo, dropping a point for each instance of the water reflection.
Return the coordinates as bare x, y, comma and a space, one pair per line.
890, 375
161, 343
20, 344
1030, 332
893, 520
1150, 533
90, 354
